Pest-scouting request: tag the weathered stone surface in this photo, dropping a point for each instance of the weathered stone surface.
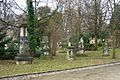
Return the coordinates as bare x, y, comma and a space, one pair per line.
70, 52
81, 46
23, 57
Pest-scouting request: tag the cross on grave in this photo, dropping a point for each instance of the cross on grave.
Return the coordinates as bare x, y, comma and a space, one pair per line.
81, 46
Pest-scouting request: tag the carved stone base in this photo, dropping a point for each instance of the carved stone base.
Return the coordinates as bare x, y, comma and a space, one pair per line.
70, 57
80, 52
23, 60
70, 54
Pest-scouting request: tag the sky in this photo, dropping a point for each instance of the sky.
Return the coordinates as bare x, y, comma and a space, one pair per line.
51, 3
22, 4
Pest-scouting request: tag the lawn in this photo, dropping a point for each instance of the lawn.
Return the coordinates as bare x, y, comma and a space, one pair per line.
43, 64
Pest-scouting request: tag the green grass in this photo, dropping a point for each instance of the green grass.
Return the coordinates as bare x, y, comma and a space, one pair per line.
9, 68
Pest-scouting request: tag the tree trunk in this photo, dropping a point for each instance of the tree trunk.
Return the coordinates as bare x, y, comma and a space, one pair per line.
79, 22
54, 46
54, 50
54, 43
96, 31
114, 44
50, 45
114, 33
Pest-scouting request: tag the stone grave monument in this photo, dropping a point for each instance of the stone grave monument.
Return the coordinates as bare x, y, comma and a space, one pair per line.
45, 45
46, 49
81, 46
70, 52
106, 49
23, 57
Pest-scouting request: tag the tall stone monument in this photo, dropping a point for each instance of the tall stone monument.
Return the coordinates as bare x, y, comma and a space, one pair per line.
23, 57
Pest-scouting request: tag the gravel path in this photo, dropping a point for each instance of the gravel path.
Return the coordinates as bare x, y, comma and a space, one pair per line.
104, 73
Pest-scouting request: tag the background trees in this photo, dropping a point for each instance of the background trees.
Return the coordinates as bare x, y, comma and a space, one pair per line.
70, 19
114, 23
55, 27
4, 40
8, 32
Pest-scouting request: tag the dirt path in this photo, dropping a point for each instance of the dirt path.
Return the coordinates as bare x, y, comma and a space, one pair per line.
104, 73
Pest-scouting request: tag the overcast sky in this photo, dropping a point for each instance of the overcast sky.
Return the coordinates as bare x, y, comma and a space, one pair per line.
22, 4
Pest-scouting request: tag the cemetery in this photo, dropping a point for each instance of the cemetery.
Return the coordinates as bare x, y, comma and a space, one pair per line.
57, 36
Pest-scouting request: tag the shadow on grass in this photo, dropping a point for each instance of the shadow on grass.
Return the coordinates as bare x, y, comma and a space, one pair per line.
6, 62
81, 55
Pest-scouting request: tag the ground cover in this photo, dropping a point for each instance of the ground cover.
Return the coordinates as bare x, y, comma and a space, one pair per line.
43, 64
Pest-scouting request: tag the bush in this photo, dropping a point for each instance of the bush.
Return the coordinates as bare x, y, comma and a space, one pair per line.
104, 35
86, 37
38, 52
74, 39
64, 45
3, 40
11, 52
87, 46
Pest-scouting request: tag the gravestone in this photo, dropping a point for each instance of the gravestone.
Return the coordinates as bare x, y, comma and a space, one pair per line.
23, 57
106, 49
70, 52
81, 46
46, 50
92, 43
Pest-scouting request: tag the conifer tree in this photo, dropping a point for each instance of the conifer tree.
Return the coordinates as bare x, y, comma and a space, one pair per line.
31, 27
3, 40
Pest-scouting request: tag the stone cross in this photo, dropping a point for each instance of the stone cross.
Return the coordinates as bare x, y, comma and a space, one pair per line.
81, 40
81, 46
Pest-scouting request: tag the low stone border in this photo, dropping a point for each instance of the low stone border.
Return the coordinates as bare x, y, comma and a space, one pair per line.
33, 75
